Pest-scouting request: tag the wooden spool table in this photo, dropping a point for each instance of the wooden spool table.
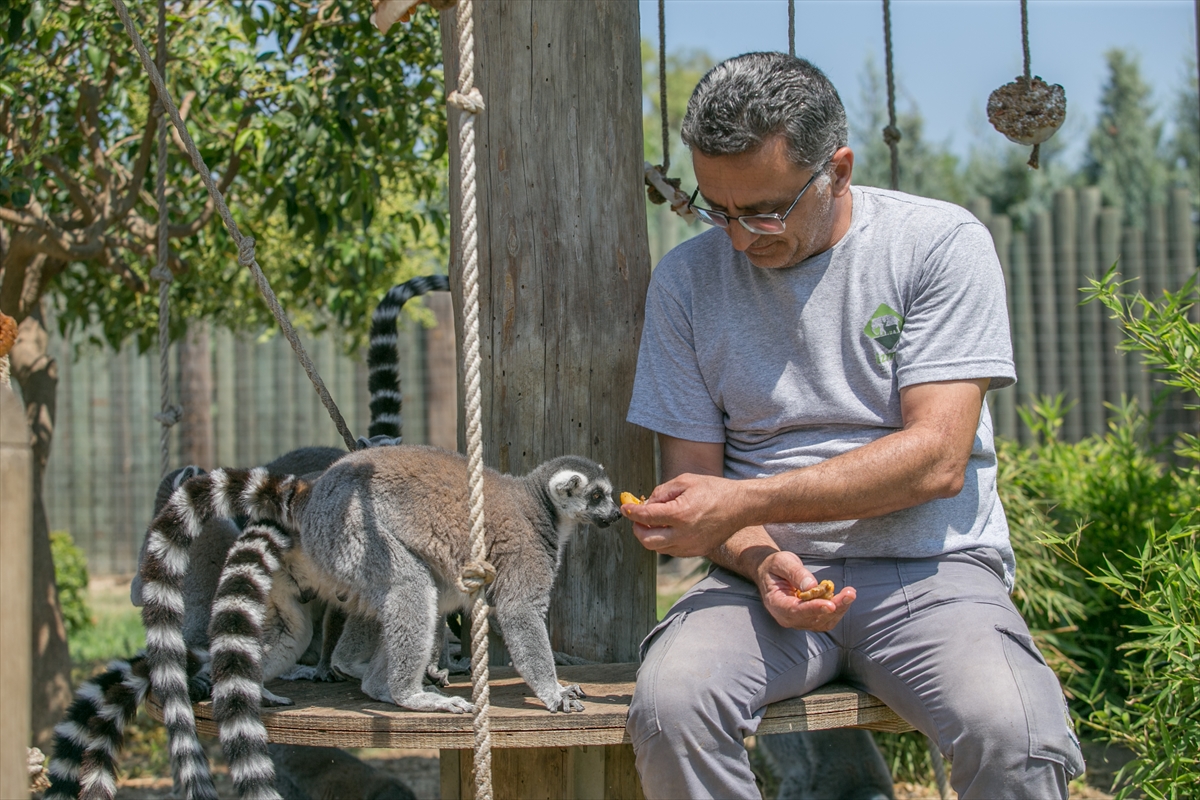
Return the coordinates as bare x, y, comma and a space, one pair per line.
340, 715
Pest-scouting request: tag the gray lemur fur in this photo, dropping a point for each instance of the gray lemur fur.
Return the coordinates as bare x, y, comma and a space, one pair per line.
840, 764
386, 530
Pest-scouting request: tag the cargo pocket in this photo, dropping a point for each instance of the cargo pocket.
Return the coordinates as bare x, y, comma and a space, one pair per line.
643, 719
1051, 732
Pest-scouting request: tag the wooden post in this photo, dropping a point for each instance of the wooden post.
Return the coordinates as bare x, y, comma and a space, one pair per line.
1133, 255
16, 533
1066, 268
1024, 332
564, 266
1002, 402
1116, 388
1091, 341
1042, 249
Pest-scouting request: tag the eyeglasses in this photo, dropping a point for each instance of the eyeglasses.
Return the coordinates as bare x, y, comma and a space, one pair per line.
762, 224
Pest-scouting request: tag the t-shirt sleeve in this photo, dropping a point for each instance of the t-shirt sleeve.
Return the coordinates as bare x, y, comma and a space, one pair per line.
669, 392
956, 325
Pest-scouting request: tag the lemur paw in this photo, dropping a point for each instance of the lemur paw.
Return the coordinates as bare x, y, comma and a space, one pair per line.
270, 699
436, 701
438, 677
567, 699
199, 688
300, 673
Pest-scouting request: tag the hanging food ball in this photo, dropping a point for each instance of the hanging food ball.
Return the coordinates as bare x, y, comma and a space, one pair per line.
1028, 111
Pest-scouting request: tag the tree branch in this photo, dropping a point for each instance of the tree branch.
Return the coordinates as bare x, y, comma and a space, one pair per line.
73, 187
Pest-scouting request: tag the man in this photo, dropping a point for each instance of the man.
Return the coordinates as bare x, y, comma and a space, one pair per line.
816, 373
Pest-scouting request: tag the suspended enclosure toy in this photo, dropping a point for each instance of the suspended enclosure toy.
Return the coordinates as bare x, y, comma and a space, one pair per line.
1027, 111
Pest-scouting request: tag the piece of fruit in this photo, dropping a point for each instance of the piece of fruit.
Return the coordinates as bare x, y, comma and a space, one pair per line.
630, 497
822, 591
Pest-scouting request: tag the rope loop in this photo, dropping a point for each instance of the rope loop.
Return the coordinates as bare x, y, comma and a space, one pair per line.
162, 275
246, 251
471, 102
892, 135
475, 576
169, 416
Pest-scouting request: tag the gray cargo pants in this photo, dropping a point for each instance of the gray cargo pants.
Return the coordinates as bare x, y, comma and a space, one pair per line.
937, 639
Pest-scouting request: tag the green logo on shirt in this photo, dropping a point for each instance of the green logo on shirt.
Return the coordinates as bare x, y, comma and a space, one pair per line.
884, 327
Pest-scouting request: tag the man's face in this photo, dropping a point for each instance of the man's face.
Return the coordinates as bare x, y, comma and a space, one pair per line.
766, 181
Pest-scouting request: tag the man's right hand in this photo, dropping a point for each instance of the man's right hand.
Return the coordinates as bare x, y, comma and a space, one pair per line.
779, 575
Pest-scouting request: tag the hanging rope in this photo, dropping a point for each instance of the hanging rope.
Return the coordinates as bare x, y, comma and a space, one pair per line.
168, 415
245, 244
659, 188
662, 85
478, 573
891, 134
791, 27
1035, 156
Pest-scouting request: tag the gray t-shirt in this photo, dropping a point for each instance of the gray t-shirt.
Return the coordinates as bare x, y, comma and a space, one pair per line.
788, 367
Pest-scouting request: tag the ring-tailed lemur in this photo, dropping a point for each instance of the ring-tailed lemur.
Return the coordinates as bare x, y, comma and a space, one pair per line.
383, 357
91, 735
387, 530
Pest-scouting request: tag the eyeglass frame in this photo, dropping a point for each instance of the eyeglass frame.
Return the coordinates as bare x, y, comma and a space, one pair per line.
703, 213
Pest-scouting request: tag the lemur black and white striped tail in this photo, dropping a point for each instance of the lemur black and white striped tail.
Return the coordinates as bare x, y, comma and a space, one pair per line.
88, 739
255, 494
383, 368
236, 637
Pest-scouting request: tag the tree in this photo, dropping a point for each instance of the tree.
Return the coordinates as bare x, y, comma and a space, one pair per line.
1123, 156
1185, 142
926, 169
306, 116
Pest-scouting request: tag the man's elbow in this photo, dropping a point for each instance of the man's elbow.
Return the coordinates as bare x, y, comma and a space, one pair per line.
948, 480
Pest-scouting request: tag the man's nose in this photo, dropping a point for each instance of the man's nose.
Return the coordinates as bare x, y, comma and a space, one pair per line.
739, 236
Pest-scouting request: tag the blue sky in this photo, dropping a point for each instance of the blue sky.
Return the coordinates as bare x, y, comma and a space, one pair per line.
950, 54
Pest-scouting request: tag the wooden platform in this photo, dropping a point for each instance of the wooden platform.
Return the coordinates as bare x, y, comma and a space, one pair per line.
339, 714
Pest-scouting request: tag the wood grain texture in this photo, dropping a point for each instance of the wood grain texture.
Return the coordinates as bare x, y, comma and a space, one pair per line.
340, 715
564, 267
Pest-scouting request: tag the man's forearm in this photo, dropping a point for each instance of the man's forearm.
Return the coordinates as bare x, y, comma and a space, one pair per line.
744, 552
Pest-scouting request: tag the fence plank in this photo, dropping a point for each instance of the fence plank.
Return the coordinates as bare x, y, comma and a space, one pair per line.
1045, 303
1024, 328
1066, 267
1116, 385
1133, 255
1091, 340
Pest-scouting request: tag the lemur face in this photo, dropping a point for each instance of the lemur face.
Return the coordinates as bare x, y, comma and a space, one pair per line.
585, 499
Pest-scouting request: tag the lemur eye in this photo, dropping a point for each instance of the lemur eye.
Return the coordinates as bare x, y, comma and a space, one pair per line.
596, 495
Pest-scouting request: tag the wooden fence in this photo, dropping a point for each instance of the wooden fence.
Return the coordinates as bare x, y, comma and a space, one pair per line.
104, 467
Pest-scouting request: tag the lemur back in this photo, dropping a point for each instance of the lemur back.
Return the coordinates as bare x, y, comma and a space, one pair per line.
383, 368
385, 529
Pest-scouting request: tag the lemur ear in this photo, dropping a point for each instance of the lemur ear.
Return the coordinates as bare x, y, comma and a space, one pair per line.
566, 482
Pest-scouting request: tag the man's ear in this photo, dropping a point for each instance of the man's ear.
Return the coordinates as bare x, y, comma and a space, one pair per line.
841, 167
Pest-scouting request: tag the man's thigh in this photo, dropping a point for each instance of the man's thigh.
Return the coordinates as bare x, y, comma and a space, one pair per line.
956, 660
719, 654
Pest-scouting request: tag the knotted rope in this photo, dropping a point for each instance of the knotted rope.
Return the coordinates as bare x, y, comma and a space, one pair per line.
168, 415
1035, 156
245, 244
791, 27
478, 572
891, 134
659, 188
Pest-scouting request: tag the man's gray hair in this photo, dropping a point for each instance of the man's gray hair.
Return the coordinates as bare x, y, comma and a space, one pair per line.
746, 100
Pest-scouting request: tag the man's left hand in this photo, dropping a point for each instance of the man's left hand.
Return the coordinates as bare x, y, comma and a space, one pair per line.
690, 515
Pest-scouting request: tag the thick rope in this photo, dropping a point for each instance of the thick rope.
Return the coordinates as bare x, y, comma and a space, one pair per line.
478, 572
1037, 148
791, 27
662, 85
245, 244
891, 134
168, 414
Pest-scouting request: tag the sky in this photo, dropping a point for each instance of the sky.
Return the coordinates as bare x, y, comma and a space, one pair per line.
950, 54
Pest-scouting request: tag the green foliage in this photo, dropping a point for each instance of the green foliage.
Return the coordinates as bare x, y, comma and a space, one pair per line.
332, 139
1155, 581
71, 577
1123, 155
907, 756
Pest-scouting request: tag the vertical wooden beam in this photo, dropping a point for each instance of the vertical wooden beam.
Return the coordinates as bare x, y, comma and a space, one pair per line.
1066, 267
1091, 340
1025, 344
564, 269
1116, 384
441, 389
225, 388
16, 607
1133, 255
1046, 304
